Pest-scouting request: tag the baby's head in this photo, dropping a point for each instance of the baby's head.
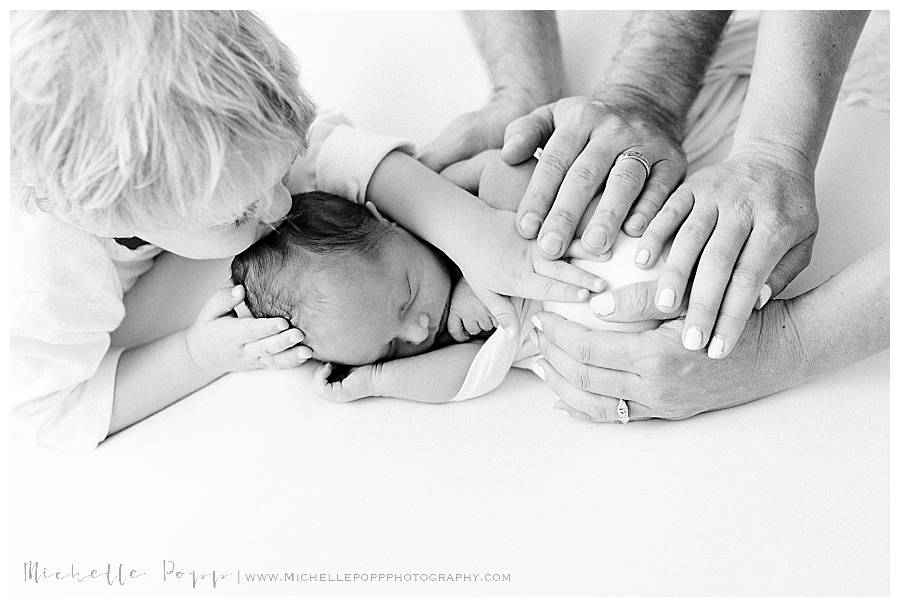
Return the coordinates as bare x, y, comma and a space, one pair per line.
361, 289
168, 125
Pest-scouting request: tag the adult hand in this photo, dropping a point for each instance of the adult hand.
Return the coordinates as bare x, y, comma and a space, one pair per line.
582, 140
750, 221
591, 369
474, 132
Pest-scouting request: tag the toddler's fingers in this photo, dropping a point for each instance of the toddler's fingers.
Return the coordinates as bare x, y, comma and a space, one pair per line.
289, 358
221, 303
273, 344
253, 329
502, 309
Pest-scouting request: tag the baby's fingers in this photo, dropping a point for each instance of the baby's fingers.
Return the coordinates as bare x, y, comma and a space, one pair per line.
273, 344
456, 329
288, 358
320, 378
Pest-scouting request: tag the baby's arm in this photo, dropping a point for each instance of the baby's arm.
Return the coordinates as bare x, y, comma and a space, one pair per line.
433, 377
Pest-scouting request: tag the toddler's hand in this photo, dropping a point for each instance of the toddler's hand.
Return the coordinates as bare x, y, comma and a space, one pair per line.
359, 383
220, 342
468, 316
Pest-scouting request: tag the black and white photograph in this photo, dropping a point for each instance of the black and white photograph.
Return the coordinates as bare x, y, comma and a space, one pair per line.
449, 303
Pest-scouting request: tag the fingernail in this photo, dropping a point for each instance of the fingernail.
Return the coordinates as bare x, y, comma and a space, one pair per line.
599, 285
296, 336
530, 223
764, 294
583, 294
539, 371
642, 257
716, 347
279, 325
551, 244
637, 222
236, 291
595, 239
537, 323
693, 338
665, 299
603, 304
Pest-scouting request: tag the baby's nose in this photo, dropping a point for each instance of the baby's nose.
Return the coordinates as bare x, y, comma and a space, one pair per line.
417, 332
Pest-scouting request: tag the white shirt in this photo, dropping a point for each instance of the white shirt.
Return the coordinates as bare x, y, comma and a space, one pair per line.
68, 287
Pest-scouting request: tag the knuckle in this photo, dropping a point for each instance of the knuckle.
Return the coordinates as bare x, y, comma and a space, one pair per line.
563, 216
582, 378
627, 177
638, 300
718, 256
584, 351
704, 308
746, 276
584, 175
552, 164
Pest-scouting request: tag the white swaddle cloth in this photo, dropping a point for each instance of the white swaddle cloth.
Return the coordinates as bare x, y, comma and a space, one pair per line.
711, 124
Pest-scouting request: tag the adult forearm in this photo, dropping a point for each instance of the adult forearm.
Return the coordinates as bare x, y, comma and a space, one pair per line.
521, 52
801, 58
660, 64
847, 318
151, 377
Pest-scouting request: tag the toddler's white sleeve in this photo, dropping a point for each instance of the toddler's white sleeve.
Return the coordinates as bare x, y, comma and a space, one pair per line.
341, 159
65, 300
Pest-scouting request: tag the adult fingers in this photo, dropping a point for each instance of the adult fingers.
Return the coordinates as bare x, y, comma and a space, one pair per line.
580, 183
576, 250
598, 407
222, 303
273, 344
526, 134
563, 147
754, 264
291, 357
686, 249
714, 271
632, 303
609, 349
664, 178
662, 227
793, 262
594, 379
568, 273
623, 185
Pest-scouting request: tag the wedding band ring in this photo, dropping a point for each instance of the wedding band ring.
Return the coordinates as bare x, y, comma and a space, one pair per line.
622, 411
635, 155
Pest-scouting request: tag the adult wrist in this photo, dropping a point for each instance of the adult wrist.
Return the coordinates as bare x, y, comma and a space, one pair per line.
636, 102
779, 146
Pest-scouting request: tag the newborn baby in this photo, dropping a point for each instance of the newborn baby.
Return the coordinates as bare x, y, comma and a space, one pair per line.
368, 294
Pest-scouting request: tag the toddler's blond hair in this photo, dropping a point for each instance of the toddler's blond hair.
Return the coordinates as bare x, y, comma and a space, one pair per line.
126, 117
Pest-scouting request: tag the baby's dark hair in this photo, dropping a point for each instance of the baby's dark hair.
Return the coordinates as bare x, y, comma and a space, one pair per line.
320, 232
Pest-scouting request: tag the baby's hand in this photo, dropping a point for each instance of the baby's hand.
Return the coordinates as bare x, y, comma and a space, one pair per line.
219, 342
468, 316
359, 383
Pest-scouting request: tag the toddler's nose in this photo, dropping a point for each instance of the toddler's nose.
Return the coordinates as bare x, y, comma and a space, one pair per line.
417, 332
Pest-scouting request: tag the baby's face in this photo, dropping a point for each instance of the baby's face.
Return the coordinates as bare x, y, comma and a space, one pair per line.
389, 307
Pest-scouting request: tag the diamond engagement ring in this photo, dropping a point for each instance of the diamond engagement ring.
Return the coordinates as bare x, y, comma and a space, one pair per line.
622, 411
635, 155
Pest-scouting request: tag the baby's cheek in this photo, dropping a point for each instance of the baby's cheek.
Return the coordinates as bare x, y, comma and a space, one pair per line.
618, 271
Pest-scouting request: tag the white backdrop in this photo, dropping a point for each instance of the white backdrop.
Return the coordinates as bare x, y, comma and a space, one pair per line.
788, 495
